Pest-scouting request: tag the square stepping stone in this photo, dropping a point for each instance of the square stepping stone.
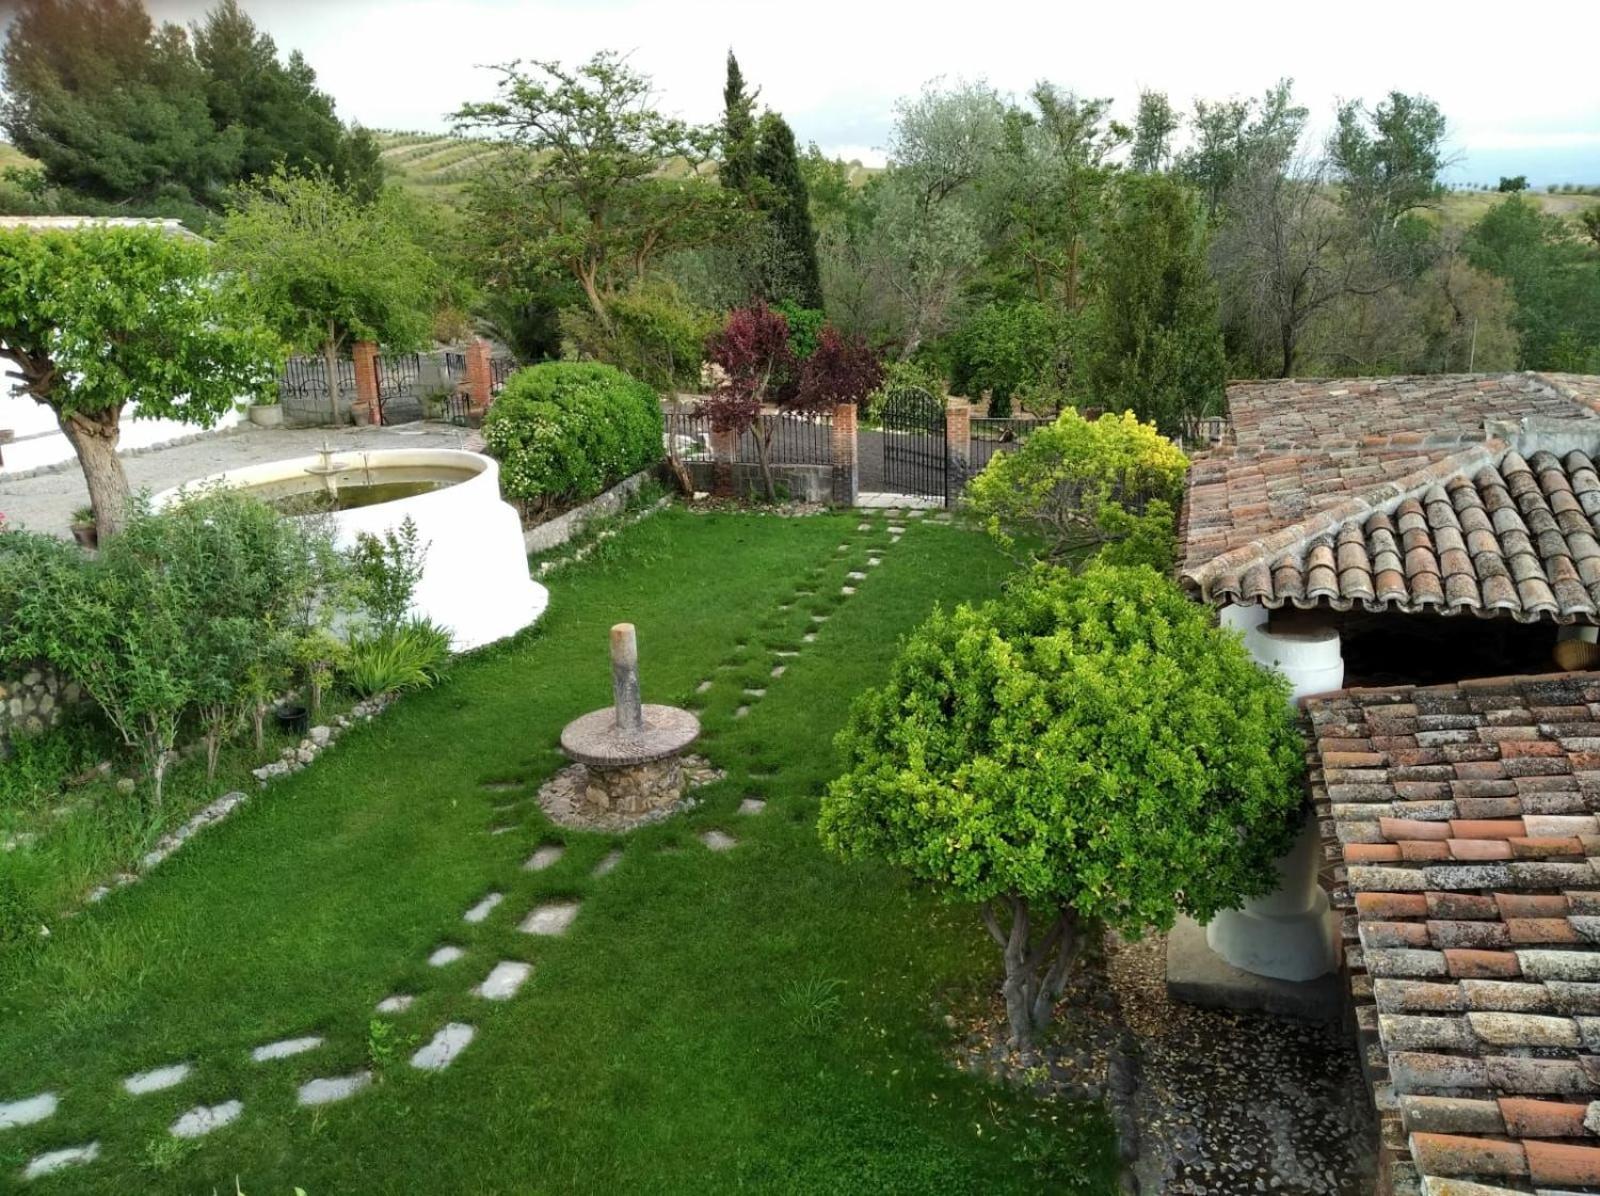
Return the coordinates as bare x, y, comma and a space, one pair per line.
847, 590
398, 1003
755, 693
483, 909
777, 670
843, 548
327, 1090
819, 618
873, 562
503, 980
856, 575
718, 841
200, 1121
156, 1079
703, 687
893, 530
284, 1048
446, 955
894, 539
608, 865
441, 1052
544, 857
863, 527
550, 919
28, 1110
503, 830
752, 805
915, 514
741, 712
809, 637
787, 655
56, 1160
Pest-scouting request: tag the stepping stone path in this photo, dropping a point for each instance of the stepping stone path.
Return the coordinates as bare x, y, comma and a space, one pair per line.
398, 1003
752, 805
550, 919
284, 1048
503, 980
607, 865
443, 1049
445, 956
755, 693
741, 712
200, 1121
856, 576
544, 857
873, 562
27, 1111
819, 618
786, 654
863, 527
703, 687
777, 670
896, 531
809, 637
55, 1160
483, 909
718, 841
329, 1089
156, 1079
847, 590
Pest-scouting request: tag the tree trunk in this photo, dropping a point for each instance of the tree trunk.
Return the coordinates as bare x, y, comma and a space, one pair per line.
764, 456
330, 361
258, 717
94, 438
1035, 975
1287, 335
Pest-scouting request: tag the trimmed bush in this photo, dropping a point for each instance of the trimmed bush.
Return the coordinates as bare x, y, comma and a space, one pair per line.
564, 431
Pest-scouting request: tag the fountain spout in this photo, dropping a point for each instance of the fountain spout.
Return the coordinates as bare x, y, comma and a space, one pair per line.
625, 678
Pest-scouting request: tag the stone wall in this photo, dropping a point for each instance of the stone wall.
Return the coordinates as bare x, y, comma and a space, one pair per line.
32, 700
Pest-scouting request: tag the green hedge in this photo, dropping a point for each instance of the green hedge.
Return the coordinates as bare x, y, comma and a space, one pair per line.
564, 431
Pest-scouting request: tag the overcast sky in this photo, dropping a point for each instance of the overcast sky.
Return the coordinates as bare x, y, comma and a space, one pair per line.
1519, 100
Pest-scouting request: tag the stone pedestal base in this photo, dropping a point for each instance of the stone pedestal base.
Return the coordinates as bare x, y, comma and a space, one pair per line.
633, 789
1297, 946
1197, 975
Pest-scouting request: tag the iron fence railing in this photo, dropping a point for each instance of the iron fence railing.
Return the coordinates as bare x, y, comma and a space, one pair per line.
795, 439
989, 435
687, 435
500, 368
303, 388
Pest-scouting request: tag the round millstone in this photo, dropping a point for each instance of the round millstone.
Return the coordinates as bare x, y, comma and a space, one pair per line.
595, 740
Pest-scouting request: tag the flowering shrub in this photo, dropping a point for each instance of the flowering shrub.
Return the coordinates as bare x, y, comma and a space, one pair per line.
564, 431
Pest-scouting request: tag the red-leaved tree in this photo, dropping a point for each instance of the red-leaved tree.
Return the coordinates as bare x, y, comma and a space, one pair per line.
842, 369
758, 368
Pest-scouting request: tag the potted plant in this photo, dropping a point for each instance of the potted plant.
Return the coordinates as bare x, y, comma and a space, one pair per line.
265, 415
83, 527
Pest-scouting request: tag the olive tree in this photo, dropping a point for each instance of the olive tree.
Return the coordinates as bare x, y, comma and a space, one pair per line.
96, 320
1088, 750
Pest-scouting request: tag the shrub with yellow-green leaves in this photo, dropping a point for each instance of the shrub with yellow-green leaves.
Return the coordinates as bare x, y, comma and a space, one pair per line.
1087, 750
1080, 483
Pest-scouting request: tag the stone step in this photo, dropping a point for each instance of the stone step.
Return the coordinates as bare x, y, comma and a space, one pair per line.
285, 1048
442, 1050
550, 919
327, 1090
503, 980
156, 1079
483, 909
201, 1120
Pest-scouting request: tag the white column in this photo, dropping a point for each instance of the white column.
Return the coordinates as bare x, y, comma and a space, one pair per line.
1287, 934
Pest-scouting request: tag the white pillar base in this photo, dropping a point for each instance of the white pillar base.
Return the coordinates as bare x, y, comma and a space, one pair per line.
1285, 947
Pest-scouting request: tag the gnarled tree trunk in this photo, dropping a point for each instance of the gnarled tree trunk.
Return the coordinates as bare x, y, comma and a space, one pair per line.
93, 437
1036, 973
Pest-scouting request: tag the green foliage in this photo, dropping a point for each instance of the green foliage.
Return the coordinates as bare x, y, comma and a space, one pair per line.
1154, 339
384, 571
813, 1004
41, 763
564, 431
792, 271
1007, 347
737, 172
901, 375
655, 335
164, 1154
1079, 483
20, 917
1388, 159
326, 267
94, 319
1153, 128
804, 325
1554, 277
397, 659
1042, 748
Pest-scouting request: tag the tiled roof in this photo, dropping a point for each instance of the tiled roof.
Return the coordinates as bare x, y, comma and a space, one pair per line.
1402, 494
1464, 820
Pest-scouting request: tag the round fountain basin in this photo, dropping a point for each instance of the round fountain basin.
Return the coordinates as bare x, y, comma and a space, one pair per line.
475, 575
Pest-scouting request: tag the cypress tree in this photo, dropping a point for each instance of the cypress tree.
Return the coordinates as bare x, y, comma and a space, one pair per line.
792, 272
738, 133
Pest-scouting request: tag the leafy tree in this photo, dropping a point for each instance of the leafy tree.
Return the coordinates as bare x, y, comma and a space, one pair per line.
1005, 348
277, 108
1388, 160
842, 369
1554, 277
758, 367
578, 189
326, 268
1512, 183
97, 319
110, 105
805, 326
793, 272
1079, 484
1153, 128
1154, 335
1235, 138
1035, 757
1589, 222
738, 170
656, 335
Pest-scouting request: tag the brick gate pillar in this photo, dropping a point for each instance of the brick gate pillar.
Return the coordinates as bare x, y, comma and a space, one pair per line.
364, 356
957, 446
846, 456
480, 382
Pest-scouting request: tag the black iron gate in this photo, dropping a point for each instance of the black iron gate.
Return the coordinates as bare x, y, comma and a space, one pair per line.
399, 387
916, 459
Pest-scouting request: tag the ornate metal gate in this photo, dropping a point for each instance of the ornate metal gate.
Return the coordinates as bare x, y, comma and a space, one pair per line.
916, 459
399, 387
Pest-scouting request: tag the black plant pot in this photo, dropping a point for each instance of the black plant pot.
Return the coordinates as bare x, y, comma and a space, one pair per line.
292, 718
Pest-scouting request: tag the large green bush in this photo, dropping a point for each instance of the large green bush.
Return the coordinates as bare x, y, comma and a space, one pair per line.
654, 334
564, 431
1088, 749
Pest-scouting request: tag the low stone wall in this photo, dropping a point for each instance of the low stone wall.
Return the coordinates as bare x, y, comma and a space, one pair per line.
562, 528
802, 483
32, 700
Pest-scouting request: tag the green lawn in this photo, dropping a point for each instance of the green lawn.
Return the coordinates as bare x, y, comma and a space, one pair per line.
661, 1044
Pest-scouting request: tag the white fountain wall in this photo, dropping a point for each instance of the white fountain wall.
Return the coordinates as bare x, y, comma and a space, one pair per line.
475, 577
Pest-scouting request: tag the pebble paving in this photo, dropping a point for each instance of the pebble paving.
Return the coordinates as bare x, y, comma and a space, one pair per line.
502, 983
201, 1120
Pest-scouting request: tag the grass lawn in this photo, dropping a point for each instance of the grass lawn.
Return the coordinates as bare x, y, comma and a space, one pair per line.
762, 1019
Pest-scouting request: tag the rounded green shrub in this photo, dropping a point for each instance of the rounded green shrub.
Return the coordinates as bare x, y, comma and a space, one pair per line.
564, 431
